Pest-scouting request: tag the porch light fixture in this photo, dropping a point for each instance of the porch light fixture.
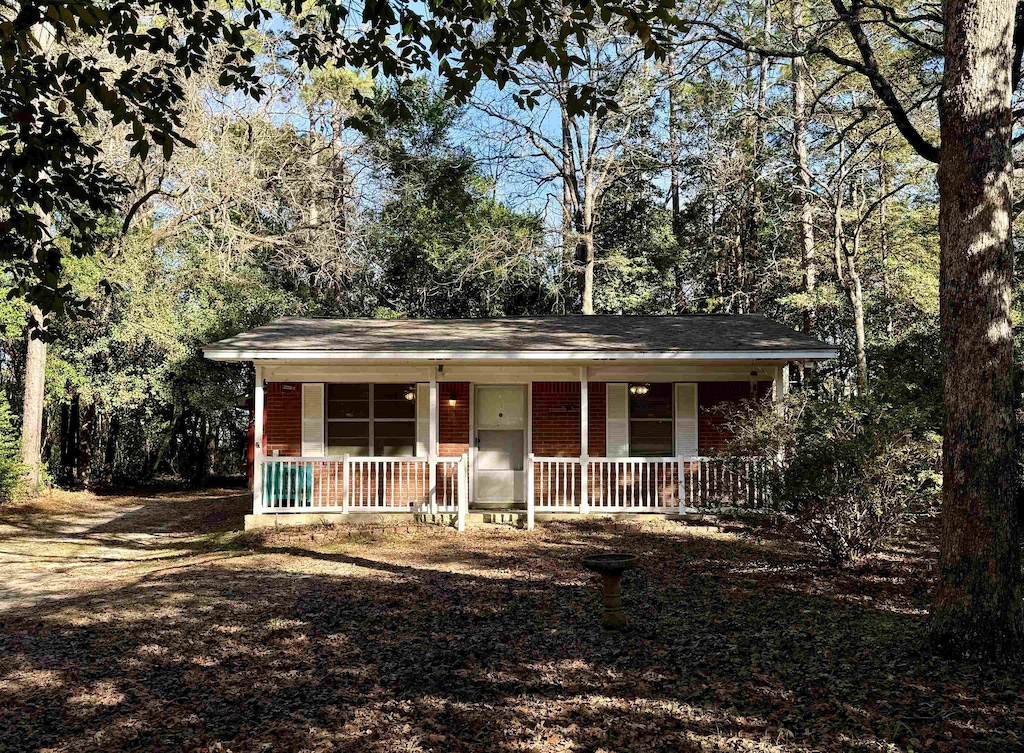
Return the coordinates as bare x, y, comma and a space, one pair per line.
452, 399
639, 389
410, 394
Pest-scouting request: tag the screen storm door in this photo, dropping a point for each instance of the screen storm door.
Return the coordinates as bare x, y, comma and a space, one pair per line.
500, 414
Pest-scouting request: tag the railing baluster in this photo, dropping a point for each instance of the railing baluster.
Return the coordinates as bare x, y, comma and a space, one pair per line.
572, 471
289, 475
566, 484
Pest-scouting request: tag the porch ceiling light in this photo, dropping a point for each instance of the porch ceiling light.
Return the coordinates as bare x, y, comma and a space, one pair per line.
410, 394
639, 389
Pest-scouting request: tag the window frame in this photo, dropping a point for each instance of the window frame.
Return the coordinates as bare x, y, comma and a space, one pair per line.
370, 417
671, 420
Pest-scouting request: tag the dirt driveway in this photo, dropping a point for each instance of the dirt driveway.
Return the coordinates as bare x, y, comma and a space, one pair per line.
69, 543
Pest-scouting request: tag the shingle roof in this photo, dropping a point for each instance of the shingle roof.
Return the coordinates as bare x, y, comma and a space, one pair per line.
547, 336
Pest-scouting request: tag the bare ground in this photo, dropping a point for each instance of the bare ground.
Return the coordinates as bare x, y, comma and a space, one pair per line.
147, 624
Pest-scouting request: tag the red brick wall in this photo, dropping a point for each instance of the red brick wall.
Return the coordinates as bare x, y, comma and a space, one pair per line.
282, 419
556, 433
712, 434
453, 422
596, 418
556, 419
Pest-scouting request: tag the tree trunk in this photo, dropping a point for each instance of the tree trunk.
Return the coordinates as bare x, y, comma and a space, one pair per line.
802, 172
586, 249
75, 427
35, 357
680, 303
32, 407
110, 451
883, 236
86, 423
855, 295
976, 609
845, 263
570, 195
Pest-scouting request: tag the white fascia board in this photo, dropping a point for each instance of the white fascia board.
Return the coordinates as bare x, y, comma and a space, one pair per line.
527, 355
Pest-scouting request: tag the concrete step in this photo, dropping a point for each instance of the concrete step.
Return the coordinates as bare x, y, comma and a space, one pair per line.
479, 518
502, 517
497, 506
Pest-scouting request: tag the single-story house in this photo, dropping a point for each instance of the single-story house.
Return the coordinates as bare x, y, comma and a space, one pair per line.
556, 414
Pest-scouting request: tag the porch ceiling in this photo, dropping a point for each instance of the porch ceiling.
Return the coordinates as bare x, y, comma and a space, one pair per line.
557, 338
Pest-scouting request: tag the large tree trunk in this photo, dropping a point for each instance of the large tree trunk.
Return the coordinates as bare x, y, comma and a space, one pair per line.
32, 408
802, 172
35, 357
977, 604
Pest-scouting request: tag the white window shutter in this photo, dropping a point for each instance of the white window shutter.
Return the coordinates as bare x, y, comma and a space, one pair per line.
313, 420
686, 420
617, 420
422, 420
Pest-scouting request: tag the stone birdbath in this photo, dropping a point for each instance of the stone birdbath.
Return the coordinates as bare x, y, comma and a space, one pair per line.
611, 567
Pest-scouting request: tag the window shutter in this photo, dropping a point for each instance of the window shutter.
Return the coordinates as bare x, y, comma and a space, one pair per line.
422, 420
313, 420
686, 420
617, 420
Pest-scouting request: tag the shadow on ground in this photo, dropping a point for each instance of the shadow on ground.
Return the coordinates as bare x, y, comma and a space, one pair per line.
488, 642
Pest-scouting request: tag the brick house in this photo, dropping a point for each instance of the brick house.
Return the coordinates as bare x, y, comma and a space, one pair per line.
543, 415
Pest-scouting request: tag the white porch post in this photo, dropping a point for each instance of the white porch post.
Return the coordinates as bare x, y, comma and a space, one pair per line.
432, 443
780, 384
462, 510
344, 483
584, 439
681, 485
530, 512
257, 444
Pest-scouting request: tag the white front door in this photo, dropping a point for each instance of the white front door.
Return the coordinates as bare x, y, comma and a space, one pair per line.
500, 430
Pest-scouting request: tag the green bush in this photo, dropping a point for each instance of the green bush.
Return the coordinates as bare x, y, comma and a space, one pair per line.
11, 470
850, 471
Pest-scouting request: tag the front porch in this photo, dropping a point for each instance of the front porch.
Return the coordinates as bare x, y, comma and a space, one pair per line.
526, 416
500, 442
313, 489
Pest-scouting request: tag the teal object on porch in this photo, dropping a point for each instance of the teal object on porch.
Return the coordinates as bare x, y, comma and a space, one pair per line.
285, 485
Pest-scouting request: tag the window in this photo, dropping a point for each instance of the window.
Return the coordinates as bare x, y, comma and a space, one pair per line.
650, 420
371, 419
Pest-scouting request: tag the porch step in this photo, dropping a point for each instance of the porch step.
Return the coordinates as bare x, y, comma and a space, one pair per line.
480, 518
496, 506
499, 517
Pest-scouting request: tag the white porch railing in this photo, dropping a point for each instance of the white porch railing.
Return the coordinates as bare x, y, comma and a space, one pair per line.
634, 484
556, 484
362, 484
667, 484
727, 482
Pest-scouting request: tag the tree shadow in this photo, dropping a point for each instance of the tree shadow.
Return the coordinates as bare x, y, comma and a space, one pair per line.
731, 646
